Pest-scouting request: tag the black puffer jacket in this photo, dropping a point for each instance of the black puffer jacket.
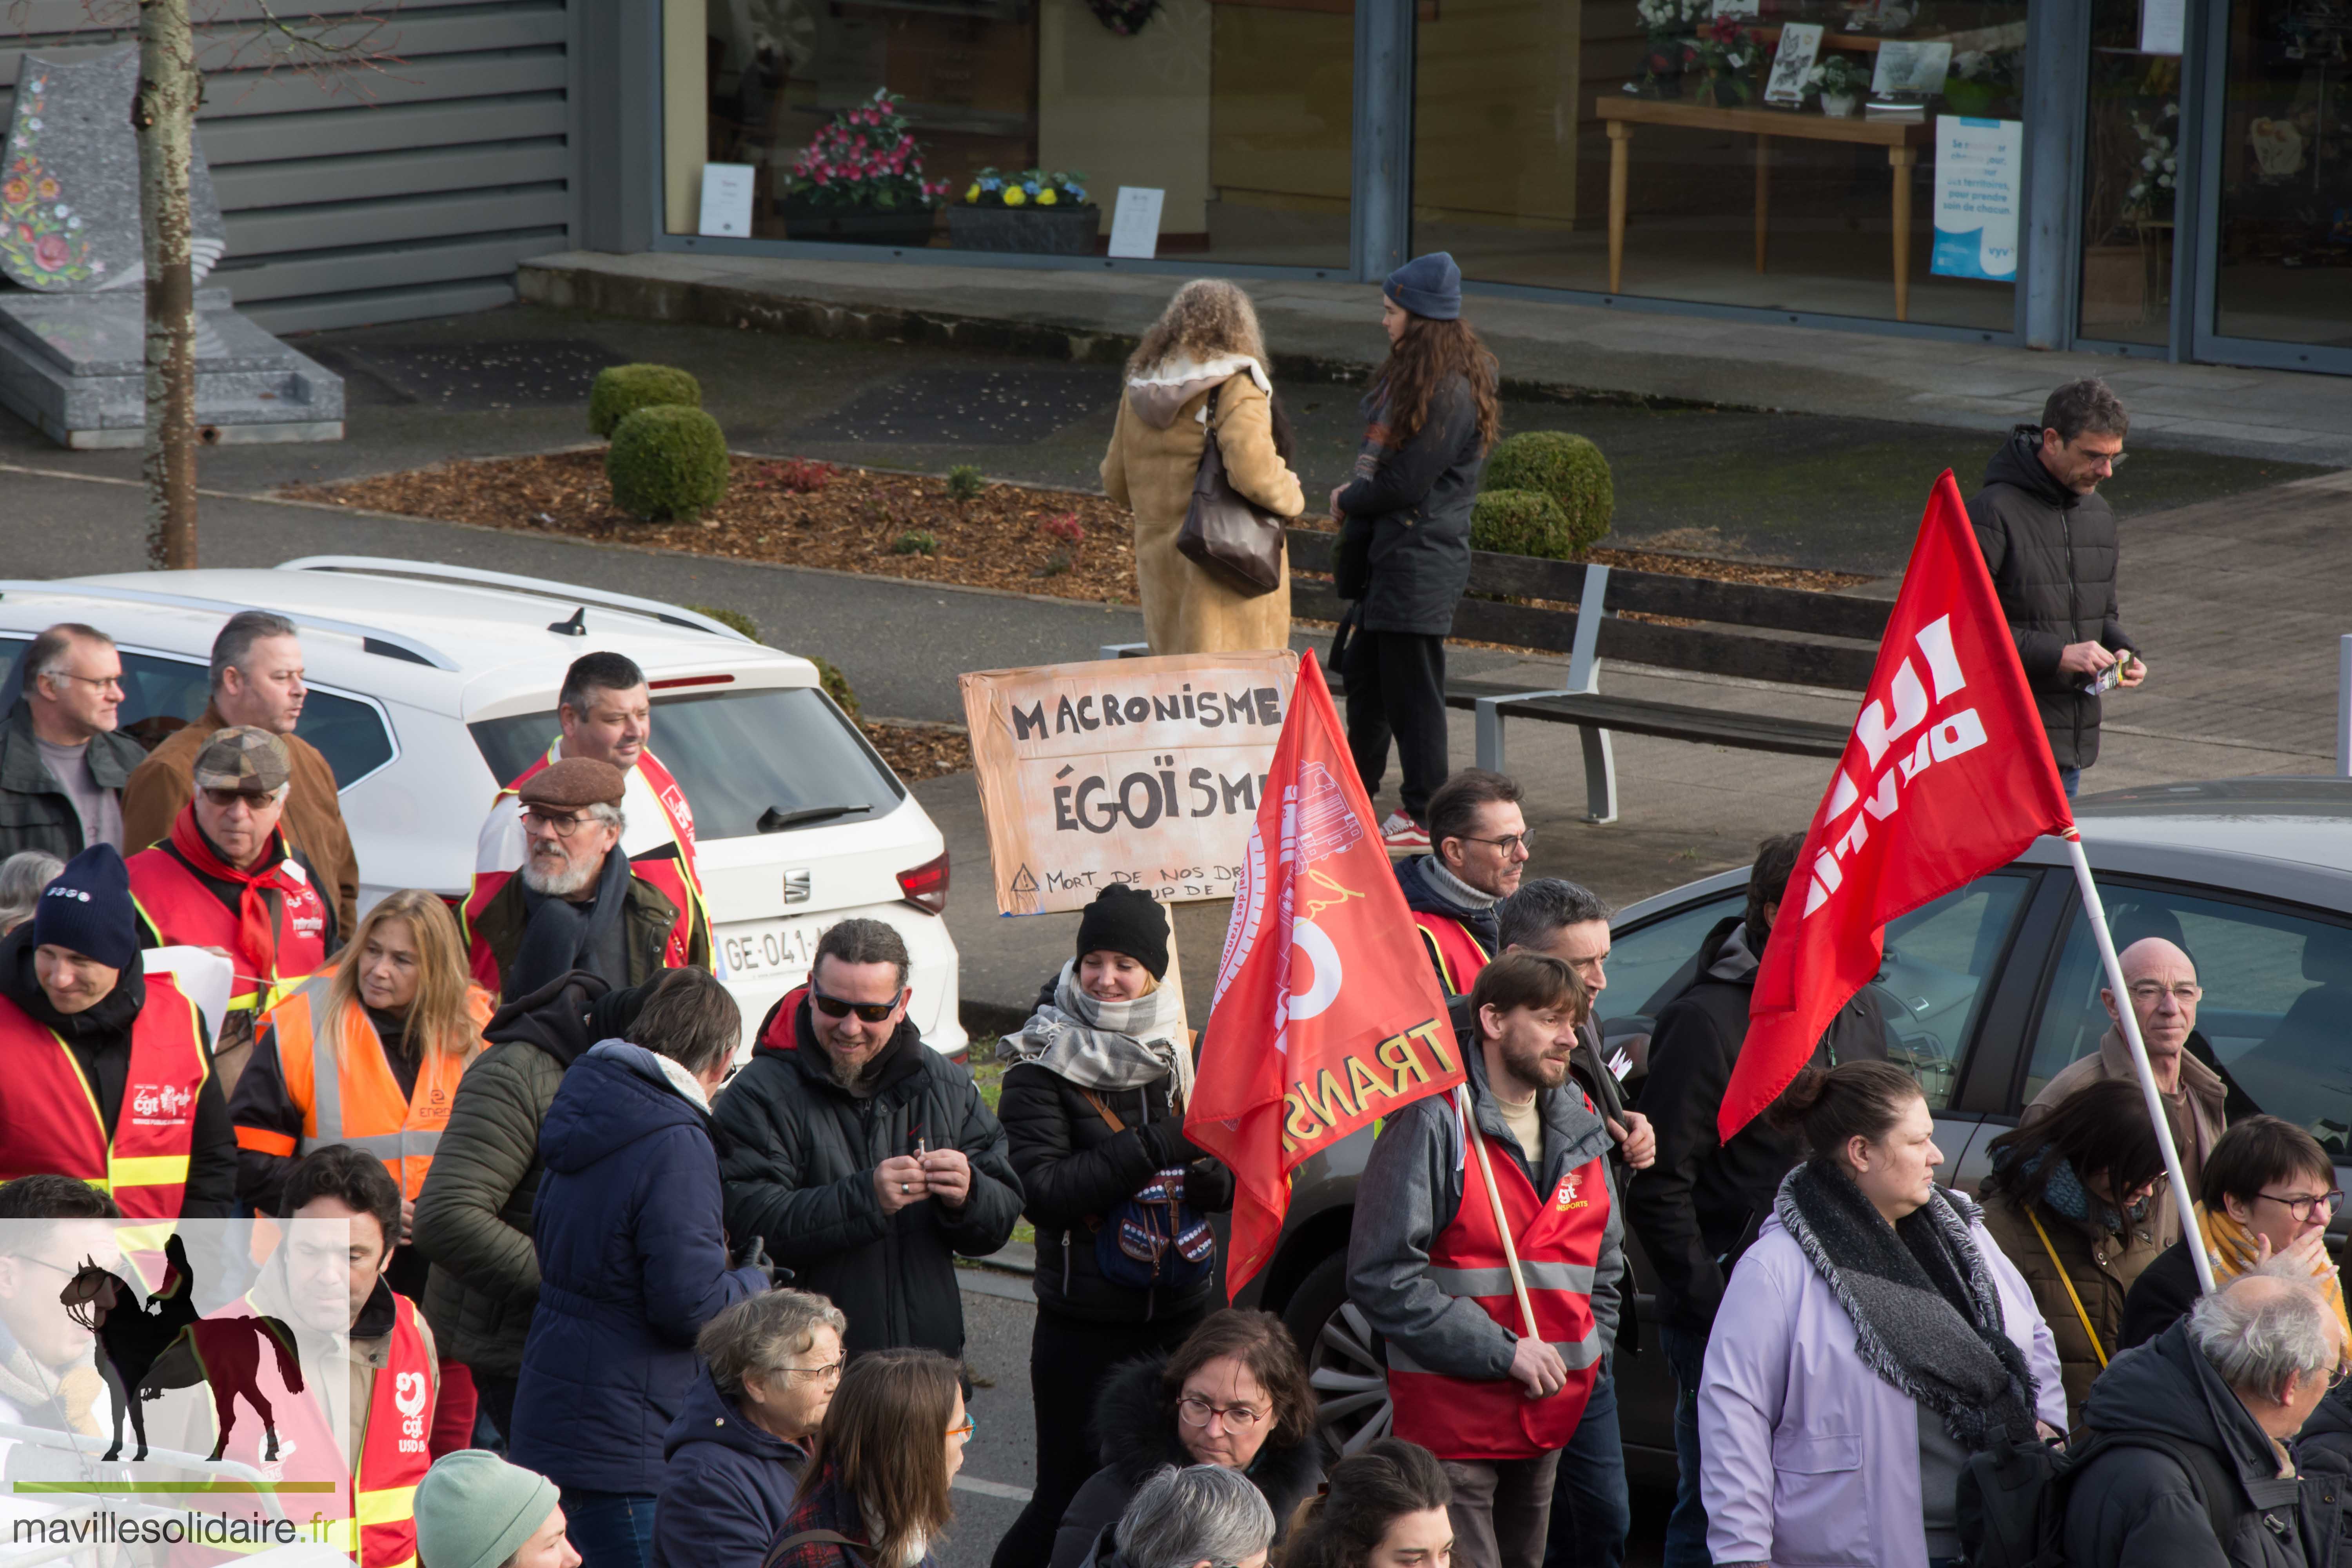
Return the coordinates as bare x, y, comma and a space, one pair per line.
2053, 555
801, 1177
1702, 1198
2323, 1452
2139, 1507
1075, 1170
1404, 546
1138, 1439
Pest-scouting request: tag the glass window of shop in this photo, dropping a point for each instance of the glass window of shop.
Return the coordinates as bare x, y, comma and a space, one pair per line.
2283, 251
2131, 167
1010, 125
1841, 157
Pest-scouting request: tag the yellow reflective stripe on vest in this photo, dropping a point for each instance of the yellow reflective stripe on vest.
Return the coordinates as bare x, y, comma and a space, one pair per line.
147, 1171
387, 1505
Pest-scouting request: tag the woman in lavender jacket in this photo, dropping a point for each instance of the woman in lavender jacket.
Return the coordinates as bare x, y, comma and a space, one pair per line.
1869, 1342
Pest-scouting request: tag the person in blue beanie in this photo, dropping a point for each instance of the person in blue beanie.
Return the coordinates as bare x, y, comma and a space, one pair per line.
1404, 534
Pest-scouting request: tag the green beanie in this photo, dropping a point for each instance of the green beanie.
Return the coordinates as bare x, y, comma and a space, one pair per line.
476, 1510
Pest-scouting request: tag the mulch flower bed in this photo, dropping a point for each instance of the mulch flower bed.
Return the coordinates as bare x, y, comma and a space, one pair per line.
918, 751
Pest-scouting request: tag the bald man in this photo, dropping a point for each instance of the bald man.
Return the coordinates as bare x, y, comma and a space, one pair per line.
2164, 992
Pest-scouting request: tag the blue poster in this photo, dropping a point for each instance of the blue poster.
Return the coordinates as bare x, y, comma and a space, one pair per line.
1978, 164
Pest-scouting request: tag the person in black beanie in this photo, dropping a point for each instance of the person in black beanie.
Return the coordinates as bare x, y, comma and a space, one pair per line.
1093, 1114
1403, 558
72, 975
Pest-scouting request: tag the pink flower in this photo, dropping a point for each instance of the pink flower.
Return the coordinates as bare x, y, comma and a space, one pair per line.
49, 252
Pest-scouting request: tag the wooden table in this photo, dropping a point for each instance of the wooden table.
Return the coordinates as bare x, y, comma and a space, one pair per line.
1901, 138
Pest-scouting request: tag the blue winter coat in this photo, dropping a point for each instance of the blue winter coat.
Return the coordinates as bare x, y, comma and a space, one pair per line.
729, 1485
632, 1262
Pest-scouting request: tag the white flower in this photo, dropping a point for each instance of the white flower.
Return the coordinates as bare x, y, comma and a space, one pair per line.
2169, 164
64, 211
33, 123
2149, 163
97, 266
73, 223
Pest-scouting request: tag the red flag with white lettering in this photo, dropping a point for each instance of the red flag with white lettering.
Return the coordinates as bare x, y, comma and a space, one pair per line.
1327, 1016
1947, 775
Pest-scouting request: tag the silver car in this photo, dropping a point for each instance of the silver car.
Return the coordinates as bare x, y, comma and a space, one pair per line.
1991, 991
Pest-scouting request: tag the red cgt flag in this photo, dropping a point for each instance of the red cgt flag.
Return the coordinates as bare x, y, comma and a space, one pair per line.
1327, 1014
1946, 776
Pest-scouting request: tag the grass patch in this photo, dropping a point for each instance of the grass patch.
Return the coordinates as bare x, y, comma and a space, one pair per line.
989, 1074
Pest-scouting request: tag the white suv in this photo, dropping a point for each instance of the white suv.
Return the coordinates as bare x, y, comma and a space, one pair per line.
432, 685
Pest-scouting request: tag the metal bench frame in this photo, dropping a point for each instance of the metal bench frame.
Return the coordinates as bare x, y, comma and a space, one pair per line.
1583, 680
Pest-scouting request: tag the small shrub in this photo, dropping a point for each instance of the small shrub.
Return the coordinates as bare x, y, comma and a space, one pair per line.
835, 684
964, 483
621, 389
734, 619
1066, 527
801, 476
1569, 468
915, 542
667, 462
1520, 523
1056, 564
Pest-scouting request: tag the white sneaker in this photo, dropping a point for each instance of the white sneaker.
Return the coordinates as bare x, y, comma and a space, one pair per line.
1401, 834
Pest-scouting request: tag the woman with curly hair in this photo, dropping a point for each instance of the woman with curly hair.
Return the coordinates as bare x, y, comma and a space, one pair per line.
1405, 533
1202, 366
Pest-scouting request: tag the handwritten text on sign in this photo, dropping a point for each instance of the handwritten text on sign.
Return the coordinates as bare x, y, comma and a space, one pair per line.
1142, 770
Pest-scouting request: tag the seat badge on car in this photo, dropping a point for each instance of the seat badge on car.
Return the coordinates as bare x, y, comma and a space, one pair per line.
796, 887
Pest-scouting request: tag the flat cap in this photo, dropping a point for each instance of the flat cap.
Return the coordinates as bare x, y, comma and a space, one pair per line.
573, 783
243, 758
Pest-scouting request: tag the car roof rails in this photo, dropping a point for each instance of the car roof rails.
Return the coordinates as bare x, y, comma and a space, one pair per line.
373, 640
565, 593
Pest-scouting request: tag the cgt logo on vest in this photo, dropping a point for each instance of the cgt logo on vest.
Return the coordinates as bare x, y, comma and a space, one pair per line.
1566, 1198
1947, 734
160, 1104
409, 1391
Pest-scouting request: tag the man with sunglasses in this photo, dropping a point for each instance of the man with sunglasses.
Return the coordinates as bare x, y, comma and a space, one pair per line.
63, 762
1479, 844
2049, 540
580, 902
863, 1160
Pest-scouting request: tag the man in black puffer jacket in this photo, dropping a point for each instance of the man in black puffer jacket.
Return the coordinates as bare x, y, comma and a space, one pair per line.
865, 1160
2048, 539
2324, 1454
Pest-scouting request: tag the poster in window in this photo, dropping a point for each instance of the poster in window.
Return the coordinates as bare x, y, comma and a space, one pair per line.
1978, 167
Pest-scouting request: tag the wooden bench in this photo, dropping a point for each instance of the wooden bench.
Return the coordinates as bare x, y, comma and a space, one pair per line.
1788, 636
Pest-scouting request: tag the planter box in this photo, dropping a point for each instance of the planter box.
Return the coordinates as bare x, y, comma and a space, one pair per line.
1046, 231
910, 230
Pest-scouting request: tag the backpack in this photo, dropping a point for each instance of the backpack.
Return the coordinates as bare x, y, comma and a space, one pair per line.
1154, 1238
2012, 1500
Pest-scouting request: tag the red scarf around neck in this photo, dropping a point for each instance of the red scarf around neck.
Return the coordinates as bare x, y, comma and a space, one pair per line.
256, 930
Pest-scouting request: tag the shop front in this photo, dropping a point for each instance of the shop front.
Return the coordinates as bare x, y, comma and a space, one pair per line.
2170, 178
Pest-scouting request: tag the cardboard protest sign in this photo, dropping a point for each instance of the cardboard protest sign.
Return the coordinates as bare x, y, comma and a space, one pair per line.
1142, 770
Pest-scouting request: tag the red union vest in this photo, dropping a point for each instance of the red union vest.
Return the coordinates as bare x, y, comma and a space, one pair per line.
374, 1506
1454, 952
1557, 1236
49, 1119
179, 909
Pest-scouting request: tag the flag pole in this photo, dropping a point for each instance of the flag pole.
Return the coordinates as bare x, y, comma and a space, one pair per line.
2128, 1021
1502, 1221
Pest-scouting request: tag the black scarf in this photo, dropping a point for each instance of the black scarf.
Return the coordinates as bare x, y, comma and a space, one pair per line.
1926, 1316
560, 936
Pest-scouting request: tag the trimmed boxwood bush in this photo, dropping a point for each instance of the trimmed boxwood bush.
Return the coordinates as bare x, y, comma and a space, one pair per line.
1570, 469
621, 389
835, 684
1520, 523
734, 620
667, 462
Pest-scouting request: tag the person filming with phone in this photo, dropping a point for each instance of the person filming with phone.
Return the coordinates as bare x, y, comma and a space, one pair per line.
2049, 540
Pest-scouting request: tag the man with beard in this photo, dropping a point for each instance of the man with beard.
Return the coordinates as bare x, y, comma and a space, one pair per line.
864, 1159
1426, 1264
578, 903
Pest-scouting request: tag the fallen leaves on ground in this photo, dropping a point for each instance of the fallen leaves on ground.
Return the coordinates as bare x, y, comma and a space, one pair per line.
918, 751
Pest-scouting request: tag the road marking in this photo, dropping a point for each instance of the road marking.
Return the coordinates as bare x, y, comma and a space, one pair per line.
988, 1488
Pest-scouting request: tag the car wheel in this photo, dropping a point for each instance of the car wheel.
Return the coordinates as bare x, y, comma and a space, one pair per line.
1345, 1361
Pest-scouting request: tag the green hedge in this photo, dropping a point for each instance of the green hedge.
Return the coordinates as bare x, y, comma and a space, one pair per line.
835, 684
667, 462
1568, 469
734, 620
621, 389
1520, 523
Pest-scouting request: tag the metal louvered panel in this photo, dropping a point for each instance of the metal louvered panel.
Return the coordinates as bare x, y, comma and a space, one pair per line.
404, 190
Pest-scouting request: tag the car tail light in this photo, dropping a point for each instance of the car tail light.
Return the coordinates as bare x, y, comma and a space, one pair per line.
926, 886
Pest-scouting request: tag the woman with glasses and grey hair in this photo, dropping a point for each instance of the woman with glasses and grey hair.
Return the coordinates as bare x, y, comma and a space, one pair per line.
22, 876
751, 1417
1204, 1516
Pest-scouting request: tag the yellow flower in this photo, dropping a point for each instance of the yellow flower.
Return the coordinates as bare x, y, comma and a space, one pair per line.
1046, 199
973, 194
1014, 195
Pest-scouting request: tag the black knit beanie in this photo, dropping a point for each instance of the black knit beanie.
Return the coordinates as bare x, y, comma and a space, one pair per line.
1122, 919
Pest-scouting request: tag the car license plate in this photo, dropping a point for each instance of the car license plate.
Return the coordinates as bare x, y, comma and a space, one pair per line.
775, 947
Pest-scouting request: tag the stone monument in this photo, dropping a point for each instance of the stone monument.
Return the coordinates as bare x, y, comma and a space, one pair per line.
73, 330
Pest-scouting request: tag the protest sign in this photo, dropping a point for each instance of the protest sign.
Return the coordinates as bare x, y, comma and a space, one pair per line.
1142, 770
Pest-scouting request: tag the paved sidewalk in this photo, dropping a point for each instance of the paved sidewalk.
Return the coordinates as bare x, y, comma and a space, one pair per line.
1096, 316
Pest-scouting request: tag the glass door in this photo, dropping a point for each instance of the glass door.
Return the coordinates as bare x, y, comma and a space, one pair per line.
2131, 171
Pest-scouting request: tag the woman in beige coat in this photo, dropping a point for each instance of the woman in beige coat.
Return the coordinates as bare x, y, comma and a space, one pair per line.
1204, 359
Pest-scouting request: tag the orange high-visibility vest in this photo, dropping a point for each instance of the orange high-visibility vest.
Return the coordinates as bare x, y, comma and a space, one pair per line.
346, 1089
49, 1119
1455, 952
178, 909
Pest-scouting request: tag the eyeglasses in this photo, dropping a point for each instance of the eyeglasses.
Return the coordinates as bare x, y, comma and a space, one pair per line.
867, 1012
2335, 1378
563, 825
2301, 1207
2111, 459
103, 682
2149, 993
1509, 843
963, 1430
1196, 1411
830, 1372
226, 798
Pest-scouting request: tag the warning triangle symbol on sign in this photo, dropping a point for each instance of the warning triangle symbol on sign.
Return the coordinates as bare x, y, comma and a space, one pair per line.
1023, 882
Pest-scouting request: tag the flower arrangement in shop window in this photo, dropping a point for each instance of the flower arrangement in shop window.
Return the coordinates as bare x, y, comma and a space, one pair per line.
1029, 188
1723, 54
1669, 25
2149, 196
1977, 78
1840, 84
40, 234
866, 158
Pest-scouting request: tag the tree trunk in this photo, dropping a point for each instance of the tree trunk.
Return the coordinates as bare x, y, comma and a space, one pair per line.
165, 117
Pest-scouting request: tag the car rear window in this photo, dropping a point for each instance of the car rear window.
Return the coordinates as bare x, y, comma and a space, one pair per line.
742, 757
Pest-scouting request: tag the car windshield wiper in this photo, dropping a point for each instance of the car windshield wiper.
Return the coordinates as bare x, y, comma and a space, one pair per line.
774, 821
